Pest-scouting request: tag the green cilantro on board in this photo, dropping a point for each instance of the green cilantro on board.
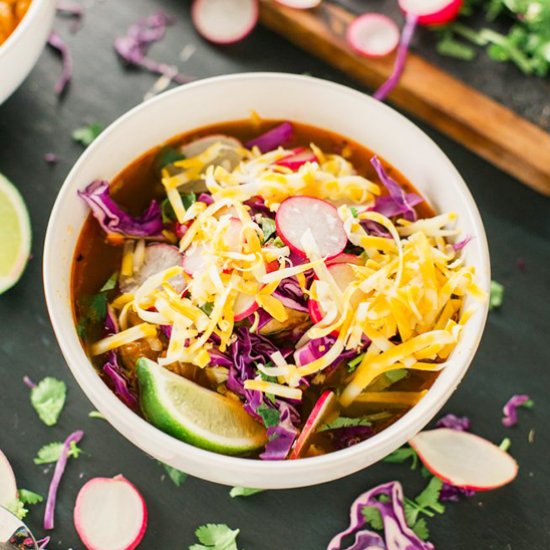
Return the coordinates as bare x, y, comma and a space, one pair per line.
48, 399
373, 517
216, 537
85, 135
51, 452
17, 508
496, 296
244, 492
29, 497
401, 455
177, 476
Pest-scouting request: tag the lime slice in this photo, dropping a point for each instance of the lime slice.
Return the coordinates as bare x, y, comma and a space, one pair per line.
194, 414
15, 235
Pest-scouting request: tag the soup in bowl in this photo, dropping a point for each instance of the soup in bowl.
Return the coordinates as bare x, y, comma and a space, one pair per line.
255, 296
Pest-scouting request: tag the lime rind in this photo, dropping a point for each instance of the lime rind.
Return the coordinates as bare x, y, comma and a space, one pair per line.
14, 225
195, 414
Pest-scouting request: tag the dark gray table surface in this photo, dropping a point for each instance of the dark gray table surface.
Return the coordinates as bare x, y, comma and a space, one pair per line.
514, 356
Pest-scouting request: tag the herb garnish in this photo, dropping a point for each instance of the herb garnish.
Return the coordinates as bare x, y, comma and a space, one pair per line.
86, 134
216, 537
48, 399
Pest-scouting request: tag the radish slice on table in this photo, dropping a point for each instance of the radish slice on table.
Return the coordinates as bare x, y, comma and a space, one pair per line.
431, 12
224, 21
464, 460
298, 158
8, 486
297, 215
373, 35
244, 306
299, 4
110, 514
158, 257
326, 406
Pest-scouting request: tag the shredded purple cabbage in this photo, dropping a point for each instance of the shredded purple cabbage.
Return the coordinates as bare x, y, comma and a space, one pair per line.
113, 219
400, 59
206, 198
462, 243
134, 45
290, 294
280, 437
273, 138
257, 206
51, 158
42, 543
57, 43
389, 207
510, 409
49, 512
28, 382
453, 422
71, 9
314, 349
450, 493
343, 438
395, 191
397, 534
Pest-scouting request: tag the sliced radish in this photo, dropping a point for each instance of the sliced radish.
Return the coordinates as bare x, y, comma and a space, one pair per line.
232, 237
297, 215
8, 485
299, 4
224, 21
325, 407
229, 157
464, 460
344, 258
194, 259
245, 305
373, 35
110, 514
431, 12
299, 157
158, 257
343, 275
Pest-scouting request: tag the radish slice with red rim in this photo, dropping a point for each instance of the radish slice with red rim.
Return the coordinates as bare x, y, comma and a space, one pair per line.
325, 407
194, 259
373, 35
199, 145
158, 257
344, 258
8, 485
297, 215
224, 21
298, 158
299, 4
431, 12
110, 514
245, 305
464, 459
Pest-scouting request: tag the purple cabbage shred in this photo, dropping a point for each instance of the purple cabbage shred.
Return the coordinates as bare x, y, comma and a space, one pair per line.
510, 409
134, 45
51, 158
397, 534
453, 422
113, 219
57, 43
290, 294
273, 138
462, 243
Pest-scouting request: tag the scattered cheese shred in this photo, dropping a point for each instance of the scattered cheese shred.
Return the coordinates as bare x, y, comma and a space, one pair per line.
132, 334
273, 388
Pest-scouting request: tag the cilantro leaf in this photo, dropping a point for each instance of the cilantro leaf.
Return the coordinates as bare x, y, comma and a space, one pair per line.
86, 134
48, 399
354, 363
243, 492
354, 212
269, 415
177, 476
52, 451
402, 455
496, 296
395, 375
167, 212
429, 497
450, 47
278, 242
29, 497
345, 422
268, 227
167, 155
373, 517
17, 508
216, 537
421, 530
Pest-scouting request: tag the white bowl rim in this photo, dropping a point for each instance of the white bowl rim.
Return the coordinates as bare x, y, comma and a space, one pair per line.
98, 392
21, 28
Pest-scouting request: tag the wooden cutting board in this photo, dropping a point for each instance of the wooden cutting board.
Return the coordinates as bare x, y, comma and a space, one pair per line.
484, 126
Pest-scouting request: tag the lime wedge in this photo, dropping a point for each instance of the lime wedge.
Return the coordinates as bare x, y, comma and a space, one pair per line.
194, 414
15, 235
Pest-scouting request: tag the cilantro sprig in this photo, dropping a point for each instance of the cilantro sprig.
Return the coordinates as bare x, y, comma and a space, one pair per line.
48, 399
216, 537
50, 453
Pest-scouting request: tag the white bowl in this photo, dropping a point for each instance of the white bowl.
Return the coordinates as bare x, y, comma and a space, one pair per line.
279, 96
19, 53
